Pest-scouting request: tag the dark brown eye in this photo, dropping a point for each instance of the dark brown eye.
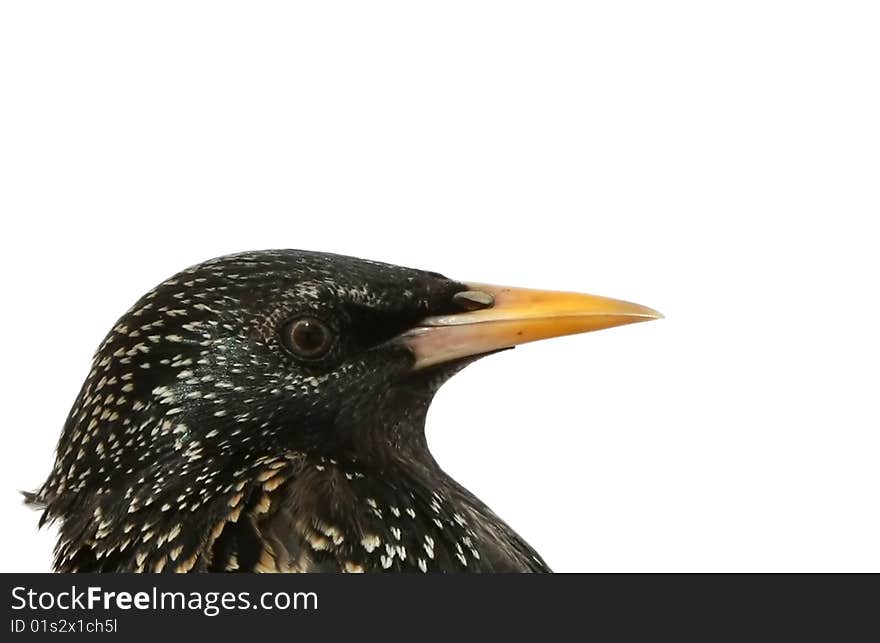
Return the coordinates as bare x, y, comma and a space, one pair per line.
308, 337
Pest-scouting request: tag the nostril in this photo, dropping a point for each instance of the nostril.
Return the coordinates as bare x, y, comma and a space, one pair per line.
473, 299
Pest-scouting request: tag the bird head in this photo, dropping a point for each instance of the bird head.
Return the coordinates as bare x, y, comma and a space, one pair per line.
249, 355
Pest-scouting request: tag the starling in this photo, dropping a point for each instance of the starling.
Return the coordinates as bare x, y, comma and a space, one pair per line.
265, 412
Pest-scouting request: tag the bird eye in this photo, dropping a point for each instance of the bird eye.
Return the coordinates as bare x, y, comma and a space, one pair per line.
308, 337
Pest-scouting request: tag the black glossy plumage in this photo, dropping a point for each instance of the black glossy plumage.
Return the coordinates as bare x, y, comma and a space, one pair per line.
199, 442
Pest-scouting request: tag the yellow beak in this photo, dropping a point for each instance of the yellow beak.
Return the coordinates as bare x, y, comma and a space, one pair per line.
507, 317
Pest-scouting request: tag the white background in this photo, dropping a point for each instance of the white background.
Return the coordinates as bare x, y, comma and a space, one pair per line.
717, 161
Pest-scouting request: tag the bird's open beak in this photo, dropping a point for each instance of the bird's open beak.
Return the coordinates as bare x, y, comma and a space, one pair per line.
500, 317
